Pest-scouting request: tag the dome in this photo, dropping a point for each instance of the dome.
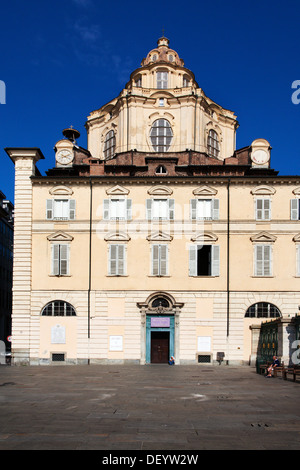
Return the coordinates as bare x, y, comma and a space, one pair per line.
162, 53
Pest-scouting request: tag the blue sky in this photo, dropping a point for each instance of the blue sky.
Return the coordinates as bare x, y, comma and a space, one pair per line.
62, 59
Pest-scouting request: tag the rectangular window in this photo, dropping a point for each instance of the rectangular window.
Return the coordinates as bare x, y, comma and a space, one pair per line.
117, 209
297, 260
159, 264
162, 80
117, 261
204, 209
263, 260
204, 260
60, 209
60, 260
160, 209
295, 209
263, 209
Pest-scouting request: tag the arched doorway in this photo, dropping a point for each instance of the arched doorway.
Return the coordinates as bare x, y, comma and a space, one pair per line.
159, 328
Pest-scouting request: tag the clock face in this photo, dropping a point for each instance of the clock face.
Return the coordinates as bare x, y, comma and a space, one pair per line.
260, 157
64, 157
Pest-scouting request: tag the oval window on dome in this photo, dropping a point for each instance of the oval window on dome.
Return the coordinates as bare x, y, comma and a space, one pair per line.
161, 135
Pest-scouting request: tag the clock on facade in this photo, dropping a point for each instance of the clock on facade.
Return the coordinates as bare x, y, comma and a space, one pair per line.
64, 156
260, 157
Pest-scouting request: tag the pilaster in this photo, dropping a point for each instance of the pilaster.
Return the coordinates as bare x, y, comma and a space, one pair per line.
24, 160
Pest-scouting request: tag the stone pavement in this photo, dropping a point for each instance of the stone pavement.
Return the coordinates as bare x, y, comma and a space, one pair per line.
153, 407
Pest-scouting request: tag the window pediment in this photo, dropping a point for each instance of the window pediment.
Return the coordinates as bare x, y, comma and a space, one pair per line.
160, 191
263, 190
296, 191
263, 237
117, 237
60, 237
206, 237
296, 238
117, 190
160, 236
205, 191
61, 191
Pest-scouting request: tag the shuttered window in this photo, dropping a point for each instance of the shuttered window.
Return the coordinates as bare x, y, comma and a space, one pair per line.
298, 260
60, 209
204, 260
204, 209
295, 209
263, 209
160, 209
117, 260
117, 209
60, 260
159, 260
263, 260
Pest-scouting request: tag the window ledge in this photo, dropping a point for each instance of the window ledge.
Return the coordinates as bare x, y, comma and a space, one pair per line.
60, 275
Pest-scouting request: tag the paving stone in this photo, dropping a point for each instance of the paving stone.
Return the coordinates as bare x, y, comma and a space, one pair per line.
159, 408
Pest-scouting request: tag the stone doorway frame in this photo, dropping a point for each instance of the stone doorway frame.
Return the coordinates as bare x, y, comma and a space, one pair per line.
173, 309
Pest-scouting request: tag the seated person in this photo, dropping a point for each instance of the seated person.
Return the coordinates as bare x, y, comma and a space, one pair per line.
274, 364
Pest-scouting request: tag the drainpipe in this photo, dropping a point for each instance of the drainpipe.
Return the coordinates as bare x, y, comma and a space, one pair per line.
228, 253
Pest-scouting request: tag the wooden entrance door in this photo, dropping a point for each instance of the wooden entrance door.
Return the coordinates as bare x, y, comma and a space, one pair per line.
160, 347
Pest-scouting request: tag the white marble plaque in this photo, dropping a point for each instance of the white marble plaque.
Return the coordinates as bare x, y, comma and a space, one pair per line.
116, 343
58, 334
204, 343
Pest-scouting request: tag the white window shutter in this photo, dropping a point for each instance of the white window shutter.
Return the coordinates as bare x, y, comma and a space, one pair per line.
171, 204
155, 260
259, 209
298, 260
106, 209
49, 209
72, 206
193, 209
149, 209
267, 209
64, 260
215, 257
215, 209
267, 260
163, 271
193, 260
258, 269
129, 209
55, 260
294, 209
112, 260
121, 260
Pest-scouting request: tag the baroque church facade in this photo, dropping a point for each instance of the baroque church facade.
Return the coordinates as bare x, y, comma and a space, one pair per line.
160, 239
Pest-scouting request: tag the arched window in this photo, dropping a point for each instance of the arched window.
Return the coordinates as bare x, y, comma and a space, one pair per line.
263, 310
161, 135
58, 308
213, 144
109, 145
160, 170
160, 302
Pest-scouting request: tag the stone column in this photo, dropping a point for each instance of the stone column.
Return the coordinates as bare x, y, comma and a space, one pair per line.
286, 337
254, 343
24, 160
